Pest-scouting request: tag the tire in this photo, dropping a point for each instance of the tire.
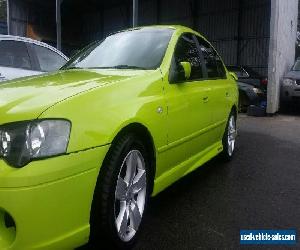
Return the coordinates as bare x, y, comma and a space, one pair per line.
229, 138
121, 195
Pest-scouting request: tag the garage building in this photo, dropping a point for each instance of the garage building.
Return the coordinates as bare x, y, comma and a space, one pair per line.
260, 34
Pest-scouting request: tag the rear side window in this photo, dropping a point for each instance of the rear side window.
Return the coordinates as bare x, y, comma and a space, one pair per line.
14, 54
186, 51
213, 63
48, 59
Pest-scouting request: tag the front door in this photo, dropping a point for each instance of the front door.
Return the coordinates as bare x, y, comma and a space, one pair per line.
189, 106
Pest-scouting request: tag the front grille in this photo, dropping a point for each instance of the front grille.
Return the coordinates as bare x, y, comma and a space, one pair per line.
298, 81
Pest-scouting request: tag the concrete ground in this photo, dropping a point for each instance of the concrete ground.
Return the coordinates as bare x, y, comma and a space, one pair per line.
259, 189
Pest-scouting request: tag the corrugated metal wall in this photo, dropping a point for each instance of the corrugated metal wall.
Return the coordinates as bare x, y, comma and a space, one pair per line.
18, 14
239, 29
255, 34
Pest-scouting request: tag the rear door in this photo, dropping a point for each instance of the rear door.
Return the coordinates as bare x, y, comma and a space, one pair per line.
219, 85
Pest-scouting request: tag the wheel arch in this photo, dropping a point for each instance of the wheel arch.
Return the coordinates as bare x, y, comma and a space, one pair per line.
143, 133
145, 136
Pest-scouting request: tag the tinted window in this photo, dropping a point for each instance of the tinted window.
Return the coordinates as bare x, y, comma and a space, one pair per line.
48, 59
14, 54
140, 48
186, 51
213, 63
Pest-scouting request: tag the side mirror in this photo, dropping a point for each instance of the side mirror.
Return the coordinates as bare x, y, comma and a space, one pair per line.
233, 75
179, 72
187, 68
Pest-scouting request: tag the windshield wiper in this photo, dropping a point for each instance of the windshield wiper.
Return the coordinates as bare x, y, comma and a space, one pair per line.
71, 67
124, 66
121, 66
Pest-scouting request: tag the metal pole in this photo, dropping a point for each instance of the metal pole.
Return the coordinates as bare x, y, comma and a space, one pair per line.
58, 25
239, 31
135, 11
8, 18
273, 81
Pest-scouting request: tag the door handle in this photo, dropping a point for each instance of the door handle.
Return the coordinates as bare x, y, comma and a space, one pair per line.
205, 99
227, 94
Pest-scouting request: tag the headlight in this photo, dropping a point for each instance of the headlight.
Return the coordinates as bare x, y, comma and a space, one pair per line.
288, 82
21, 142
257, 91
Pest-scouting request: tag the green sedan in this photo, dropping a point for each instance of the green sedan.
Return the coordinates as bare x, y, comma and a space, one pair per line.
83, 149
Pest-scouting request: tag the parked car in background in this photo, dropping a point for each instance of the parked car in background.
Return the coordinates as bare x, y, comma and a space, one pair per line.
252, 87
290, 87
85, 148
21, 56
248, 75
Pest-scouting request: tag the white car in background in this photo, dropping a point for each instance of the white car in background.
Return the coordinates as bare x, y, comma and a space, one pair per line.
20, 56
290, 87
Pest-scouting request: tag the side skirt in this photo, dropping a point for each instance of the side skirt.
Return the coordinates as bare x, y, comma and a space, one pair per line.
174, 174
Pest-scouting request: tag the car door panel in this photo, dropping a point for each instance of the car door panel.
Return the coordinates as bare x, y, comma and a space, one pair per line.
189, 114
220, 103
220, 87
188, 109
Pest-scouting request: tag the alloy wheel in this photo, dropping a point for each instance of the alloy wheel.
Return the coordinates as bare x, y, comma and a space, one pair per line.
130, 195
231, 135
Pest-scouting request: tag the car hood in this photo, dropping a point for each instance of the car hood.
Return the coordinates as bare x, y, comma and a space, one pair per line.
26, 98
293, 74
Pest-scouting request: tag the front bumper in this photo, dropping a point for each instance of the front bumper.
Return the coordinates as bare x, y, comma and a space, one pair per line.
49, 201
290, 93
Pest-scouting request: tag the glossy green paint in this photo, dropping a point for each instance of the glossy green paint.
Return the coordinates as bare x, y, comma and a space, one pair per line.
51, 210
50, 199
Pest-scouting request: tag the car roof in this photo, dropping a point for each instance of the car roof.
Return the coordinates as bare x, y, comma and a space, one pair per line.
174, 27
177, 28
29, 40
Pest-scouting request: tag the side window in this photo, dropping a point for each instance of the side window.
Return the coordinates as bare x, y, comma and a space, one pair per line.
212, 61
48, 59
186, 51
14, 54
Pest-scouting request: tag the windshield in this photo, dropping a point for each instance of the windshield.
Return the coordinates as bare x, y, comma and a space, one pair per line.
296, 66
136, 49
